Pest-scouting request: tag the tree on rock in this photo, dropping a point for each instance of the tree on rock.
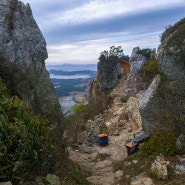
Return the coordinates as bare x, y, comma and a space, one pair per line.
114, 51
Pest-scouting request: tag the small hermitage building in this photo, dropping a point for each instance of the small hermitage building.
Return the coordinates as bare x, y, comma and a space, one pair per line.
124, 63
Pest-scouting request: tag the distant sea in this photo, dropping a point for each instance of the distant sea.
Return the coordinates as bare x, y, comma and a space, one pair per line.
70, 80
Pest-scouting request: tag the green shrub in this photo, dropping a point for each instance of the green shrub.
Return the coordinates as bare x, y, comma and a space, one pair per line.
26, 143
76, 122
113, 51
145, 52
150, 70
161, 142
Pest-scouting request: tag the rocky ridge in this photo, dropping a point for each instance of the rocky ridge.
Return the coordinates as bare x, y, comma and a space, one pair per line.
123, 122
164, 104
136, 105
22, 61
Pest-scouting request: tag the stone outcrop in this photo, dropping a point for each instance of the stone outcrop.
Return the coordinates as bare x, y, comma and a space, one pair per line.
147, 106
163, 100
133, 83
171, 51
22, 61
109, 72
135, 56
160, 167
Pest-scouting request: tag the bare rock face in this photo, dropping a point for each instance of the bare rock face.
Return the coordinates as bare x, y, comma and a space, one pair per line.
171, 52
135, 56
162, 104
22, 61
109, 71
108, 75
148, 106
134, 82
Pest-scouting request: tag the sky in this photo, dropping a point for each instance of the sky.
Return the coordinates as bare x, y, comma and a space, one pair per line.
77, 31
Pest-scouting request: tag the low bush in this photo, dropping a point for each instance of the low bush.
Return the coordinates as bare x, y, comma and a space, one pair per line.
161, 142
26, 143
150, 70
145, 52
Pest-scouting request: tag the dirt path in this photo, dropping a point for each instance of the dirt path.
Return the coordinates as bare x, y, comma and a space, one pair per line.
99, 164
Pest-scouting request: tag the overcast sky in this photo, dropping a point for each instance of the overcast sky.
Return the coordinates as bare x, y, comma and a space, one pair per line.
76, 31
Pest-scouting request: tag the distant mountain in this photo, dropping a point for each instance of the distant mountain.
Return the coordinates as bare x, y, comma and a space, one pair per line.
61, 72
72, 67
70, 78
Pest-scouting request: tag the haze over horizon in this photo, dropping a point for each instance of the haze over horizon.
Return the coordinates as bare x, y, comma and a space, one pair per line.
77, 31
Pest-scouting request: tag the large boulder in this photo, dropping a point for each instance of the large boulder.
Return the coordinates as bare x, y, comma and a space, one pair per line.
22, 61
159, 167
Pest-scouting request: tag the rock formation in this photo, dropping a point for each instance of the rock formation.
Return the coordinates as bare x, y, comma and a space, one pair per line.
22, 61
171, 51
164, 105
160, 167
147, 106
108, 74
133, 83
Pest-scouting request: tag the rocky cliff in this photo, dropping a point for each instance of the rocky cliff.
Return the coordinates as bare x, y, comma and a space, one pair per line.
109, 72
22, 61
163, 103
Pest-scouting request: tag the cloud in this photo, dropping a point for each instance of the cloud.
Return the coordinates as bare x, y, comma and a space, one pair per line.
89, 51
77, 31
145, 22
52, 12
